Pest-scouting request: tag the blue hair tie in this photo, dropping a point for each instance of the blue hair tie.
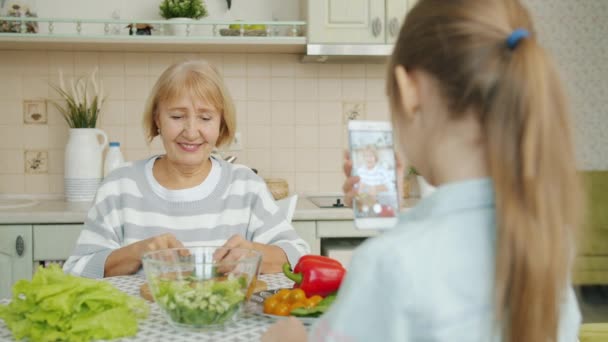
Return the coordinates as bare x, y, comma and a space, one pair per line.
516, 36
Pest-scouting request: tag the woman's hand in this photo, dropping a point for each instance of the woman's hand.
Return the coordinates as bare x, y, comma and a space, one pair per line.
290, 329
273, 257
127, 260
350, 184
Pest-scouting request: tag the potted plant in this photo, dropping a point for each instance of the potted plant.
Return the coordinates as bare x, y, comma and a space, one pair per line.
182, 11
83, 153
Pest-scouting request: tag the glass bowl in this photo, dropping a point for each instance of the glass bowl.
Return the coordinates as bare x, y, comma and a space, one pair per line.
201, 288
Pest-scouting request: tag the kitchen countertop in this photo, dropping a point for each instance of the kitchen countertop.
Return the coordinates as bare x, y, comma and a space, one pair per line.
55, 210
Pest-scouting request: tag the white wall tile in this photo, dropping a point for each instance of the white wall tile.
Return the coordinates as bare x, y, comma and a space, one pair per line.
258, 88
307, 160
56, 184
307, 182
304, 70
133, 112
241, 115
283, 112
85, 63
375, 89
137, 64
307, 136
216, 59
135, 154
283, 136
306, 89
353, 70
330, 136
12, 184
35, 87
35, 63
11, 112
58, 136
36, 136
258, 65
378, 110
260, 159
37, 184
331, 181
112, 113
375, 70
331, 159
235, 65
11, 88
136, 87
60, 60
330, 113
330, 89
258, 113
9, 63
117, 133
237, 86
330, 70
353, 89
112, 64
56, 161
11, 161
257, 137
114, 87
282, 160
307, 113
283, 65
158, 63
282, 89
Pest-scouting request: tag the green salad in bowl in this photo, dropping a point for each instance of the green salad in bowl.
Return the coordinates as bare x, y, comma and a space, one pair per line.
201, 288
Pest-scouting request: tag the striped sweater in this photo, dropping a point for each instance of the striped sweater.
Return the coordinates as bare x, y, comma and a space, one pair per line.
131, 206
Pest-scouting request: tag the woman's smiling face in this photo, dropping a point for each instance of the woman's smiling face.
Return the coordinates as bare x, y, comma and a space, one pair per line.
189, 128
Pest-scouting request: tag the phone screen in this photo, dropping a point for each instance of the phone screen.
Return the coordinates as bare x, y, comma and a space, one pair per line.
373, 159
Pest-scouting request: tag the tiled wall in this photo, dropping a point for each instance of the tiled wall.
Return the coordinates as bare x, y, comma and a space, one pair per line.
290, 114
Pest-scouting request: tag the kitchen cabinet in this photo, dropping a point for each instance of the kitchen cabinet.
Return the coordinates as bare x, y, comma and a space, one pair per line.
591, 264
15, 256
23, 247
356, 21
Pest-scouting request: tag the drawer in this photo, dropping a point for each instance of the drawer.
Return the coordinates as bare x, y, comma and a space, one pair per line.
55, 242
344, 228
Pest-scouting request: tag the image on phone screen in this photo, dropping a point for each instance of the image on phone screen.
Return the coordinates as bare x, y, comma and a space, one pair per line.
373, 159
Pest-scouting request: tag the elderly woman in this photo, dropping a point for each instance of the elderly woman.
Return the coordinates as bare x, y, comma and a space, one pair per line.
186, 196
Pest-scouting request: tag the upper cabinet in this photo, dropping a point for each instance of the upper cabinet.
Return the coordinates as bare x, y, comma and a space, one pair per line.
356, 21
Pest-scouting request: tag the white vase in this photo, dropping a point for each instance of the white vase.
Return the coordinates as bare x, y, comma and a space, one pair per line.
83, 169
179, 27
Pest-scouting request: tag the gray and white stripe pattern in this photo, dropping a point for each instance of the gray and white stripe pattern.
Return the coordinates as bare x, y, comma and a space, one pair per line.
127, 210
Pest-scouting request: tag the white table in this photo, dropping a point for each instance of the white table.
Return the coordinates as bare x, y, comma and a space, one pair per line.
249, 327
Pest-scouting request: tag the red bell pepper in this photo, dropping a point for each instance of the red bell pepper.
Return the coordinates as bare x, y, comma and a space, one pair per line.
316, 275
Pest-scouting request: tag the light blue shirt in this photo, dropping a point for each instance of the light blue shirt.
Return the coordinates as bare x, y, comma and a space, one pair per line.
431, 278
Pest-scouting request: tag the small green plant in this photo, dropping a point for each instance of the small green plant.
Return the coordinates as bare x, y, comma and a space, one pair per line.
182, 9
412, 171
82, 103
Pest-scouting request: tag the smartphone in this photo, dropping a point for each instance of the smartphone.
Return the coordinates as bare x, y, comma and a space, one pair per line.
376, 205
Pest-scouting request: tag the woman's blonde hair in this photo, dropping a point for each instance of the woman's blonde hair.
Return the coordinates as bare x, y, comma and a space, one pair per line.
200, 79
517, 97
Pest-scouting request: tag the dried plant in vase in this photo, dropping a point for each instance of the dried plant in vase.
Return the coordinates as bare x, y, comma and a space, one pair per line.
83, 100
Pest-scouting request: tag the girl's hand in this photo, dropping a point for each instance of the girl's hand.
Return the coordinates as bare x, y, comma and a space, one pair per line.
290, 329
351, 183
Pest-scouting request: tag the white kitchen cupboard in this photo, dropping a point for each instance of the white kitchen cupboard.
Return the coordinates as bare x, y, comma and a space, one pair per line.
15, 256
23, 247
355, 21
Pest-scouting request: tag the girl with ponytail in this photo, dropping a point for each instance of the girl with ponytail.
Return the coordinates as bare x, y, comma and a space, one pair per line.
478, 108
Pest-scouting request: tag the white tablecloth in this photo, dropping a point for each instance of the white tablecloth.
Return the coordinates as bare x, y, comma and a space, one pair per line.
155, 328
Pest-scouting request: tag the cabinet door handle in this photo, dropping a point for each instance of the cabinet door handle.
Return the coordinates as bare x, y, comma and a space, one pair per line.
19, 245
376, 26
393, 27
